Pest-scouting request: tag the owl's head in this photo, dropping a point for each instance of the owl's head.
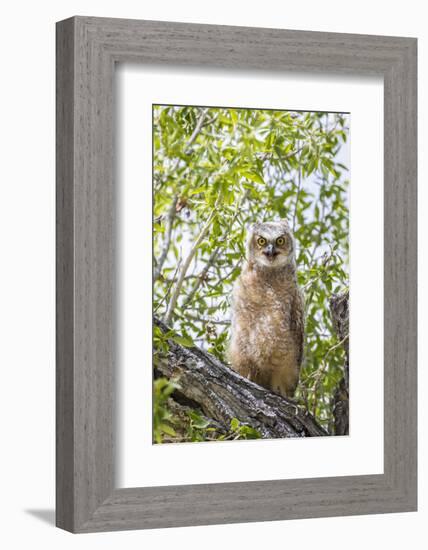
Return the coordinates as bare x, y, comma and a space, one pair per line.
271, 244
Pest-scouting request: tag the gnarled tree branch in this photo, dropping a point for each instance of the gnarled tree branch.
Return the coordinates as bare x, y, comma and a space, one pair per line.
222, 394
339, 305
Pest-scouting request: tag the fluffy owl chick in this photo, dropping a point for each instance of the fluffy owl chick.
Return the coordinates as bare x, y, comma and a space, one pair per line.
268, 311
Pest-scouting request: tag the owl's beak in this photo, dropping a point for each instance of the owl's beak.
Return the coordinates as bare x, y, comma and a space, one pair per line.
270, 251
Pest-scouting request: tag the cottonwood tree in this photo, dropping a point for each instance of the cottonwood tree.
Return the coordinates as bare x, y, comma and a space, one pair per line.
217, 170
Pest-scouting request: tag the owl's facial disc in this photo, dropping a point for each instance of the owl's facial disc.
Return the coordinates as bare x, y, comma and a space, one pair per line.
273, 251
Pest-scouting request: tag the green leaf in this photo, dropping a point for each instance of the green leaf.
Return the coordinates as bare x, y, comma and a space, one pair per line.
166, 428
183, 341
252, 176
234, 424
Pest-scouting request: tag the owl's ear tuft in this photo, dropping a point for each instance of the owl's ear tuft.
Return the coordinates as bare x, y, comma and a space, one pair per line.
252, 227
284, 222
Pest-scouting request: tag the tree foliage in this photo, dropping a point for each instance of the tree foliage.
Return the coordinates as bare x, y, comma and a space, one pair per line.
216, 171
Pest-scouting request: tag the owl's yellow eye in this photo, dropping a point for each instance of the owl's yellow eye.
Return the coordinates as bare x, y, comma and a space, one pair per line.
280, 241
261, 241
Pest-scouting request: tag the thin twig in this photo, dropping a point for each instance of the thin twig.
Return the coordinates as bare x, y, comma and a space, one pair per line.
196, 131
168, 290
282, 158
186, 264
322, 217
168, 231
212, 257
299, 188
172, 209
321, 371
228, 274
225, 322
201, 278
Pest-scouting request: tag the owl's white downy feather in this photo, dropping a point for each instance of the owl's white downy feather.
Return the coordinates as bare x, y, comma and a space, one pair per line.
268, 311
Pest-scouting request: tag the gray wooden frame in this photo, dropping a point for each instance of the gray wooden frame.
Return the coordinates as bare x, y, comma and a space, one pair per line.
87, 50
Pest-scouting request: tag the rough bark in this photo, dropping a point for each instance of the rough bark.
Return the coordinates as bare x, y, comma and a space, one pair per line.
222, 394
181, 422
339, 305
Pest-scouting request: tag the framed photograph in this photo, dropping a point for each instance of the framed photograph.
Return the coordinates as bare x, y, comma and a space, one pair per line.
236, 274
250, 243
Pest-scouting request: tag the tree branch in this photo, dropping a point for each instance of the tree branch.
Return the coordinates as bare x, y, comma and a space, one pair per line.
172, 209
196, 131
212, 258
339, 305
185, 267
223, 394
201, 278
299, 188
168, 231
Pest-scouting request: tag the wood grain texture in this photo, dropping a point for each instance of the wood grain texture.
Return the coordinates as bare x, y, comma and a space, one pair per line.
87, 49
64, 277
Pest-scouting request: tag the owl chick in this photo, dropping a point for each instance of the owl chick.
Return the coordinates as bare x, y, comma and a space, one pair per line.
268, 311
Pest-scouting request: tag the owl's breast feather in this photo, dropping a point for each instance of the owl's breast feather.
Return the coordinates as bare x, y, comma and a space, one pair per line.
264, 313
